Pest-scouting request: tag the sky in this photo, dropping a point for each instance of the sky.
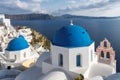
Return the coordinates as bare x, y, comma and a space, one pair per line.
109, 8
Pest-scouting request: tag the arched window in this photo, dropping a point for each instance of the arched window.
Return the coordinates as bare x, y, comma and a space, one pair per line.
8, 67
105, 44
60, 60
15, 57
78, 60
108, 55
91, 55
24, 55
102, 54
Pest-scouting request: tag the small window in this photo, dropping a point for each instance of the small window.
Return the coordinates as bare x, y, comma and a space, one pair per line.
24, 55
102, 54
91, 55
60, 60
15, 57
105, 44
8, 67
108, 55
83, 32
78, 60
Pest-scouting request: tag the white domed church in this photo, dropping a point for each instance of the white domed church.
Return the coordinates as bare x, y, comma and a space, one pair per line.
72, 53
17, 51
71, 50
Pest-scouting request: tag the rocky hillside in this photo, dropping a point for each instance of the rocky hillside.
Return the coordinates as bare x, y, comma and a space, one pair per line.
29, 16
38, 38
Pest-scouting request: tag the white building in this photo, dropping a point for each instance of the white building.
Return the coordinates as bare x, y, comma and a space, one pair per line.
4, 21
17, 52
7, 32
72, 50
72, 53
26, 32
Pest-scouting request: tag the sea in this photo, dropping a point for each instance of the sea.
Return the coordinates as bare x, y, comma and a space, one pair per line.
98, 29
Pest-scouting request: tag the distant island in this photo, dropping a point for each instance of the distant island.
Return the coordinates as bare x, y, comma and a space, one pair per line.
29, 16
34, 16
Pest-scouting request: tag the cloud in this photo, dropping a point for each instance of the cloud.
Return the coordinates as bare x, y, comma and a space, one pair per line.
98, 1
72, 2
75, 7
40, 0
92, 8
19, 6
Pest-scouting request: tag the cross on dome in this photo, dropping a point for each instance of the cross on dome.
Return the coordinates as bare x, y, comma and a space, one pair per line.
71, 22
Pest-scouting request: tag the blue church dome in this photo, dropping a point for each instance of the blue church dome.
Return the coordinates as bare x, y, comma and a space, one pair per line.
71, 36
17, 43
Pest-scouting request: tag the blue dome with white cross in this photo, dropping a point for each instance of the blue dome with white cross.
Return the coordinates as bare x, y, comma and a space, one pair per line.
72, 36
